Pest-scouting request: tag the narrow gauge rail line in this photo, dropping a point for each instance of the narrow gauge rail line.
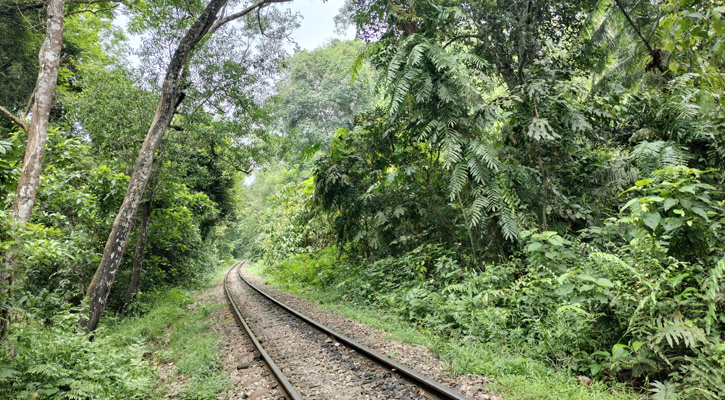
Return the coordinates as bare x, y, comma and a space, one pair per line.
278, 375
432, 390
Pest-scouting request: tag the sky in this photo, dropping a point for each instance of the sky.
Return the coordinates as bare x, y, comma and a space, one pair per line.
317, 25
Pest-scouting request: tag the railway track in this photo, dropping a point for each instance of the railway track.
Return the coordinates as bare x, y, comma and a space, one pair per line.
311, 361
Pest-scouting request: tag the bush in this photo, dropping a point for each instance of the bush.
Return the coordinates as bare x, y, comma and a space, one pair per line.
56, 360
639, 299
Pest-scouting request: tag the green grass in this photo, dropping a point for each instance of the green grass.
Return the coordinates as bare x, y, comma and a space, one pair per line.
256, 268
176, 333
515, 376
48, 356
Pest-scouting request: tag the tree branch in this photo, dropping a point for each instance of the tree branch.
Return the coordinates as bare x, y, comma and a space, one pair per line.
259, 21
13, 118
263, 3
18, 8
92, 11
236, 167
459, 37
633, 25
654, 53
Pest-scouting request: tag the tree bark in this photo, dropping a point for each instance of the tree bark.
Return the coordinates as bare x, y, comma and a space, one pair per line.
117, 241
49, 60
140, 249
171, 96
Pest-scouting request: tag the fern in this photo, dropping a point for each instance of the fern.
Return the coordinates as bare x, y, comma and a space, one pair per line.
664, 391
651, 156
704, 375
458, 179
713, 290
485, 153
678, 330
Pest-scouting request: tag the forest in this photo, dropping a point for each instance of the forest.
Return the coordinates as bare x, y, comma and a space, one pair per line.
531, 188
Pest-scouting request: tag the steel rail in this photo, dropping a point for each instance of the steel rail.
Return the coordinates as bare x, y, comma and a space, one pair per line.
435, 387
281, 378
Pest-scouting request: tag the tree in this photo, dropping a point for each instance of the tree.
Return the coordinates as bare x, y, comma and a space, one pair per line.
49, 59
37, 130
511, 36
171, 96
317, 96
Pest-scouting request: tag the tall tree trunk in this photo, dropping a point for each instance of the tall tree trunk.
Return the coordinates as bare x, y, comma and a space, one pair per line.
140, 248
49, 59
171, 96
117, 241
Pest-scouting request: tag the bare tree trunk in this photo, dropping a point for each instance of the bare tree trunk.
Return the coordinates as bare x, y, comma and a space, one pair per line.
171, 96
38, 133
49, 59
140, 248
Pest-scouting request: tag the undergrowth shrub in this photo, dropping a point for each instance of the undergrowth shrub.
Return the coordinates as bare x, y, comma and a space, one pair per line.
307, 270
638, 299
48, 355
56, 360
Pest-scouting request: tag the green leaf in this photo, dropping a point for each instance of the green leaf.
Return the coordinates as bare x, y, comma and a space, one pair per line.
619, 349
566, 289
699, 211
540, 129
669, 203
687, 189
534, 246
629, 204
651, 219
718, 26
643, 182
556, 240
525, 234
604, 282
673, 223
664, 391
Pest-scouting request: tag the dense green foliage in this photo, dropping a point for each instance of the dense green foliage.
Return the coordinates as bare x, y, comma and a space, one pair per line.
101, 112
531, 185
543, 176
316, 96
53, 358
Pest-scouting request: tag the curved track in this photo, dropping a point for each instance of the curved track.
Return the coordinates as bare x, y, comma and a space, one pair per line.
322, 363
